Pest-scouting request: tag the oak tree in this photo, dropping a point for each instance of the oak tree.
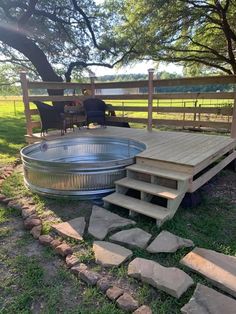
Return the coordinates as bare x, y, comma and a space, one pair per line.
199, 34
55, 38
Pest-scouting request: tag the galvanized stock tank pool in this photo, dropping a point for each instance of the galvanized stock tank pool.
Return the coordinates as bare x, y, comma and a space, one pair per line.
82, 168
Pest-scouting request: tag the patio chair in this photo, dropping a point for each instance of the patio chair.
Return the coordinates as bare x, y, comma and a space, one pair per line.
112, 113
50, 116
121, 124
95, 111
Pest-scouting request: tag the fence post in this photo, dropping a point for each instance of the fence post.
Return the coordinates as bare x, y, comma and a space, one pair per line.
150, 98
233, 125
14, 104
184, 115
24, 85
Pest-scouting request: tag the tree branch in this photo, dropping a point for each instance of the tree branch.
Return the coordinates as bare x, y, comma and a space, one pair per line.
84, 64
87, 21
27, 14
17, 40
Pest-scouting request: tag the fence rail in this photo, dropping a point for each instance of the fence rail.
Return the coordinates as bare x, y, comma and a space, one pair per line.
191, 113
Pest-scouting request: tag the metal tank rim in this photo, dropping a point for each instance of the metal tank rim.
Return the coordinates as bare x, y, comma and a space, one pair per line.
80, 165
78, 179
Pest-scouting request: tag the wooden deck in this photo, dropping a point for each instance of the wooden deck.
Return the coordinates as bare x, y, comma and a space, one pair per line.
172, 164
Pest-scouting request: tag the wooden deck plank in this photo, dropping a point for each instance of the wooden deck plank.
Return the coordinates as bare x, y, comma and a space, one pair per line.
178, 148
202, 153
189, 149
175, 175
165, 146
153, 189
141, 207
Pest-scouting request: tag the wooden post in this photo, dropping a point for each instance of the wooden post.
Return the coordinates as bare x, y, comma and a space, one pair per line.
24, 85
92, 82
150, 98
233, 125
184, 115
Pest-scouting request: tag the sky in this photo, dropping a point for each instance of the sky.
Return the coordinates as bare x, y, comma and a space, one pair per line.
141, 67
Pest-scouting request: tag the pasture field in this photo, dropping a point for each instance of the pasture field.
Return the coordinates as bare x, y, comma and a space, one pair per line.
13, 106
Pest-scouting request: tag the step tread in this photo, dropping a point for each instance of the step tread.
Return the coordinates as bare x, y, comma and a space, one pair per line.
150, 188
151, 210
169, 174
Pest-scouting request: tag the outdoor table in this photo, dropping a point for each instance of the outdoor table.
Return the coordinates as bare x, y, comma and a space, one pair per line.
71, 118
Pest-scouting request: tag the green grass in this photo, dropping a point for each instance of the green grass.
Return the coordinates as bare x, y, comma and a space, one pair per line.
12, 130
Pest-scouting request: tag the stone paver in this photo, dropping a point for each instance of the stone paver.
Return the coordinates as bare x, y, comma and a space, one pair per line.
169, 279
127, 303
134, 237
110, 254
29, 223
45, 239
208, 301
144, 309
103, 284
219, 268
36, 231
102, 221
78, 268
26, 212
73, 228
64, 249
89, 276
71, 260
55, 243
114, 293
167, 242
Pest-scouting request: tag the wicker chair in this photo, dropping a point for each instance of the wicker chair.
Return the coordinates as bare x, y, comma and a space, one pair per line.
118, 123
95, 111
112, 113
50, 116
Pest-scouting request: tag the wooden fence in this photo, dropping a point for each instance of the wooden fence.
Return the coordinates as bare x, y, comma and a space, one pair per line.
151, 109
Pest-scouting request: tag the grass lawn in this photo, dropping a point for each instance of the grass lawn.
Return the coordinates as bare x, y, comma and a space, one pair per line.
35, 280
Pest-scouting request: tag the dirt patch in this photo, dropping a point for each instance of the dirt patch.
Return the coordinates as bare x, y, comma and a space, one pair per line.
223, 186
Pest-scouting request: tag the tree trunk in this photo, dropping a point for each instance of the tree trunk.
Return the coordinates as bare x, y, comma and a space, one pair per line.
18, 40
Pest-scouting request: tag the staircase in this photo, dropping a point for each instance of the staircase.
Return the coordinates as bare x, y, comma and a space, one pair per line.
151, 191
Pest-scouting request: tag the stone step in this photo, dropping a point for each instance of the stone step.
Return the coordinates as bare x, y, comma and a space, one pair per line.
73, 228
109, 254
169, 279
161, 214
206, 300
163, 173
103, 221
150, 188
217, 267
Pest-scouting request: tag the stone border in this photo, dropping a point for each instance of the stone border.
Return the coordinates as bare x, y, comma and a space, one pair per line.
33, 223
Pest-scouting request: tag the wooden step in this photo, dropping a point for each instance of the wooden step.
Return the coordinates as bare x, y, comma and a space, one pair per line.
169, 174
150, 188
161, 214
